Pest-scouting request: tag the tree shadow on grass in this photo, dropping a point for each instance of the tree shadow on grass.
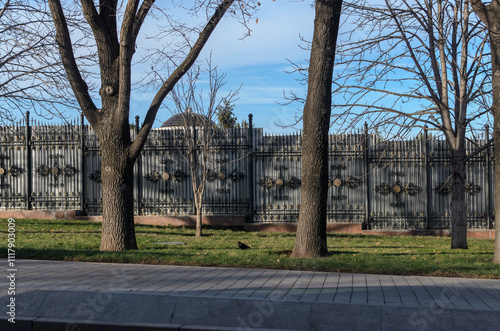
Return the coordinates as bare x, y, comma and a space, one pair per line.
49, 231
427, 254
132, 256
191, 235
288, 252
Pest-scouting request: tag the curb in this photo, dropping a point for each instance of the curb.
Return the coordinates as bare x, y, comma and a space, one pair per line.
97, 310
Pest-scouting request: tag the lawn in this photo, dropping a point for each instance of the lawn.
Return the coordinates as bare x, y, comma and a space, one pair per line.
398, 255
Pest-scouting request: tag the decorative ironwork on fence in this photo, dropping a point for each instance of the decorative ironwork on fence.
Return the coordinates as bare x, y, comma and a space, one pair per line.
382, 184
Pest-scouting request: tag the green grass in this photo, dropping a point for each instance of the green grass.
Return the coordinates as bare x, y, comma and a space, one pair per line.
399, 255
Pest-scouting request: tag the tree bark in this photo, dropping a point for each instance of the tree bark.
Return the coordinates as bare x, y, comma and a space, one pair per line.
117, 178
495, 64
458, 205
490, 15
311, 232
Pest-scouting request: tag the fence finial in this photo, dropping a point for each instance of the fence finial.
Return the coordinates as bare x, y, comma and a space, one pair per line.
137, 123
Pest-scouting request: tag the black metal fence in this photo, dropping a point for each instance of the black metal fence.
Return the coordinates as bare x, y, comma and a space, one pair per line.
384, 184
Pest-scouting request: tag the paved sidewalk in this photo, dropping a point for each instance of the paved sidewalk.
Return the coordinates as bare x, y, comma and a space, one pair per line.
52, 295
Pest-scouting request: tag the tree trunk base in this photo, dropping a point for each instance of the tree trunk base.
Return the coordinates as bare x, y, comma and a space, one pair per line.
306, 247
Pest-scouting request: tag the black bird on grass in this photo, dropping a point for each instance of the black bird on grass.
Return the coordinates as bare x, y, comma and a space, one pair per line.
243, 246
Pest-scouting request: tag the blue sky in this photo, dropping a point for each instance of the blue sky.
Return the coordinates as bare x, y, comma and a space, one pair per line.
257, 62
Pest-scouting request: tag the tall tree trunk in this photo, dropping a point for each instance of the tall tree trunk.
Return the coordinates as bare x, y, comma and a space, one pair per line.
311, 232
458, 205
117, 176
490, 15
495, 59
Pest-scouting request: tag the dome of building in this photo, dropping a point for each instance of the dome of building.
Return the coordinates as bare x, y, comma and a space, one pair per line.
179, 120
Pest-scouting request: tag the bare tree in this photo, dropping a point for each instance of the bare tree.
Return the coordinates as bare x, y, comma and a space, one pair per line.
490, 15
31, 74
116, 47
311, 232
201, 136
413, 64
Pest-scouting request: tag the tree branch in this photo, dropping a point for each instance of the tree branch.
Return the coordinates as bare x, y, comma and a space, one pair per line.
480, 10
176, 76
141, 15
482, 148
4, 8
63, 39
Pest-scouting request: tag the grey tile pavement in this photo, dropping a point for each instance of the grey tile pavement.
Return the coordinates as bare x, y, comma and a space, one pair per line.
247, 299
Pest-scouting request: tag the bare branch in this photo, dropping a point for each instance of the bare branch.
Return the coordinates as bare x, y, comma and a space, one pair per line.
78, 85
176, 76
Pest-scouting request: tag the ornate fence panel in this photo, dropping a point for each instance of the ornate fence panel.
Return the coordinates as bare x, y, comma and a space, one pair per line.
13, 168
167, 188
278, 166
382, 184
227, 183
479, 186
91, 170
56, 155
397, 173
164, 175
347, 180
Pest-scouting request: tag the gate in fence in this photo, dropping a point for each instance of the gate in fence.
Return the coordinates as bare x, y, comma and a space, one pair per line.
383, 184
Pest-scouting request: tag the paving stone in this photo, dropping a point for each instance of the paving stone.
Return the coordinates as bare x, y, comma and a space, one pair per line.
375, 293
284, 286
423, 296
391, 294
103, 296
329, 288
359, 289
299, 287
344, 289
241, 283
438, 295
314, 289
253, 286
406, 295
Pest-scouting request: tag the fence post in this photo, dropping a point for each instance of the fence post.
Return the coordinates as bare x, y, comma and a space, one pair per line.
29, 163
250, 169
83, 191
367, 181
138, 162
428, 173
490, 182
